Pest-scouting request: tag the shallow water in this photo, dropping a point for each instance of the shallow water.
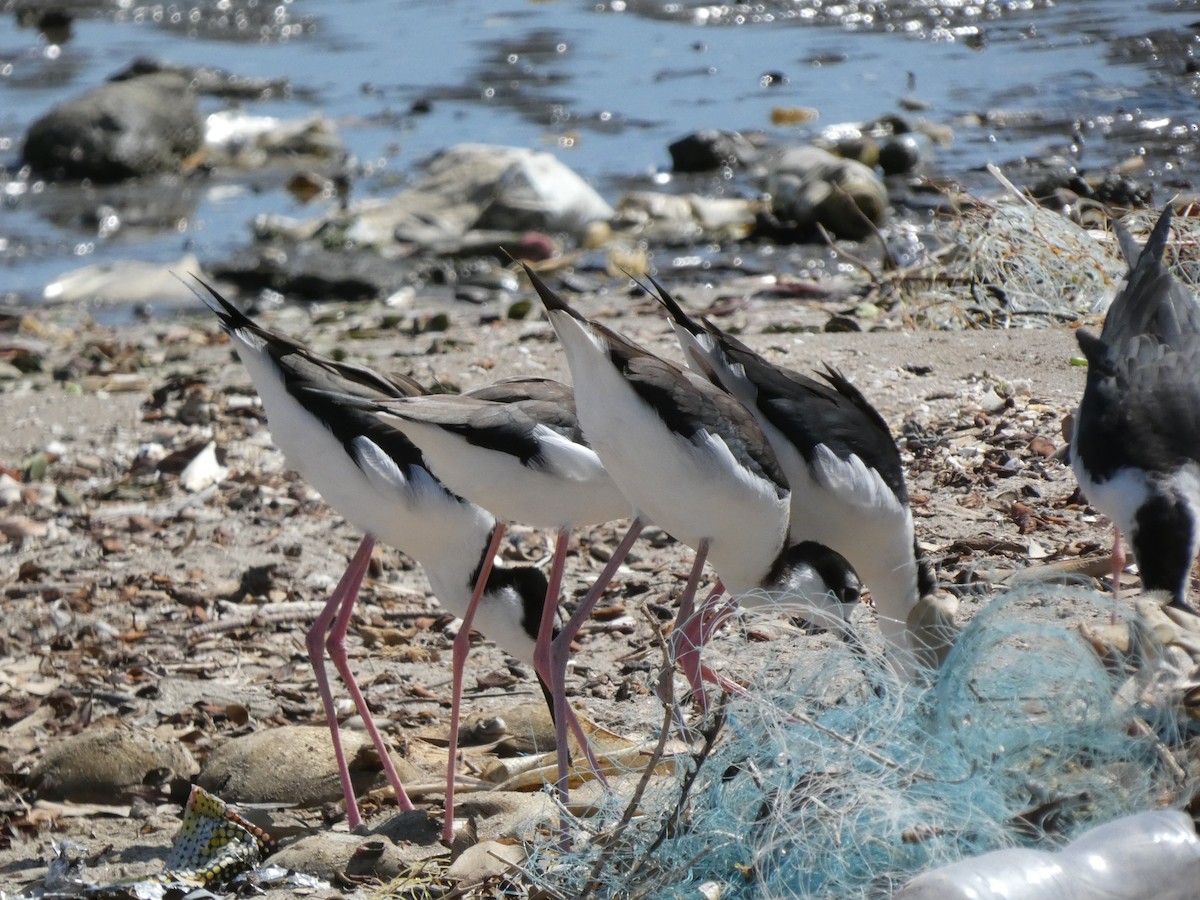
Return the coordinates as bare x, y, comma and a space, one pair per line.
607, 86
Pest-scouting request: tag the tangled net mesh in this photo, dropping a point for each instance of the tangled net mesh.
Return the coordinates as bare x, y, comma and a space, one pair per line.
828, 779
1011, 263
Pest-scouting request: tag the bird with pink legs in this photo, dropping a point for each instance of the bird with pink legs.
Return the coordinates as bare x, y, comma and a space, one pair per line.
375, 477
692, 460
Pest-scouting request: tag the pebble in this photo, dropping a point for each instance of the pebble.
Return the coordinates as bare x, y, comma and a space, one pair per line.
100, 766
293, 763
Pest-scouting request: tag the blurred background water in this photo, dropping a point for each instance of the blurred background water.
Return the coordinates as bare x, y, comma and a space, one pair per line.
604, 85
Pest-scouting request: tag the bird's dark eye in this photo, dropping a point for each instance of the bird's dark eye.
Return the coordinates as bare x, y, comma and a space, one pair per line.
851, 593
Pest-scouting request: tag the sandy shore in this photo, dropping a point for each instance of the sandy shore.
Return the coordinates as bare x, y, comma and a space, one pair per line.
130, 600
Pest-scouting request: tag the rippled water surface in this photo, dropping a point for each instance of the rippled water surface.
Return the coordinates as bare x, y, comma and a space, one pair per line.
607, 86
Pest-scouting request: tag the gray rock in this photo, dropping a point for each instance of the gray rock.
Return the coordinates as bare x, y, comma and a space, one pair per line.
100, 766
127, 281
209, 81
684, 219
119, 130
474, 187
472, 200
506, 814
233, 137
487, 859
810, 186
294, 763
903, 154
705, 151
335, 856
306, 269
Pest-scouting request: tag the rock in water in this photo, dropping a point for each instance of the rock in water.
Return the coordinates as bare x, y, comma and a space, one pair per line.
119, 130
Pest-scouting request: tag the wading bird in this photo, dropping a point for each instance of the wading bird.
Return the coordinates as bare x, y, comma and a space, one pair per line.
1135, 447
377, 479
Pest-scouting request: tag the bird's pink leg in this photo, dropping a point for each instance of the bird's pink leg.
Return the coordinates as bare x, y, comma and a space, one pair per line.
336, 645
542, 662
1118, 562
343, 595
458, 661
560, 651
708, 619
541, 652
714, 616
687, 636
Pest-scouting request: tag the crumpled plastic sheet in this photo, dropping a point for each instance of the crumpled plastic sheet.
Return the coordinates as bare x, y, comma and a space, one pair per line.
1145, 856
214, 845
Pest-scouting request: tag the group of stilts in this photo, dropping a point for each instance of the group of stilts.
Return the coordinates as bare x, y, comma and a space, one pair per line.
790, 486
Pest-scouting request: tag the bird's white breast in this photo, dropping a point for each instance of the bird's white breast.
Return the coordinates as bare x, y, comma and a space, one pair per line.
694, 490
414, 514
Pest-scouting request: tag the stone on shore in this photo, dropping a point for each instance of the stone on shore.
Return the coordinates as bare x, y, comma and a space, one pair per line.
477, 187
102, 766
810, 186
119, 130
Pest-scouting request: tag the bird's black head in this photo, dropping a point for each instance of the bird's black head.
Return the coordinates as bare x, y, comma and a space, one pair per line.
1163, 537
530, 584
827, 565
926, 579
817, 578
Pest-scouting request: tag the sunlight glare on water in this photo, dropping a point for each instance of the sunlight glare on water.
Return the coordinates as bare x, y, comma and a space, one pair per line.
605, 85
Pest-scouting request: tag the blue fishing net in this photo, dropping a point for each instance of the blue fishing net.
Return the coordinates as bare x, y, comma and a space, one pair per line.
831, 780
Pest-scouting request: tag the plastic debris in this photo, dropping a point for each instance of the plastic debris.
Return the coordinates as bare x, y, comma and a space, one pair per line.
828, 779
1146, 856
214, 845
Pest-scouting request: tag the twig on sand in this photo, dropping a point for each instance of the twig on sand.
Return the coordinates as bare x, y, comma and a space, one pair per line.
666, 691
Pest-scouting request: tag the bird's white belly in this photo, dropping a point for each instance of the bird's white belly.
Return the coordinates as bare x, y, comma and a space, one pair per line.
846, 506
693, 491
1119, 497
414, 515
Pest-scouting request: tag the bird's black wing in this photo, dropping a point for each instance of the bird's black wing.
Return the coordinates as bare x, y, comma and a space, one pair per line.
691, 407
810, 413
1141, 405
548, 402
314, 380
1153, 301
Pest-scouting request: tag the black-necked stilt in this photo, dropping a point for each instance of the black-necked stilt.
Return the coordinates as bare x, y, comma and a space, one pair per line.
1135, 447
375, 477
848, 488
516, 449
691, 459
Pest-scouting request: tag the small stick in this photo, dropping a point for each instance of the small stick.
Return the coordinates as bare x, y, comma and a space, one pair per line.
666, 692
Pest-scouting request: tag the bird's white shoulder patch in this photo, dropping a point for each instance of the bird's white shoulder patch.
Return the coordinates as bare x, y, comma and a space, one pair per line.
566, 458
382, 471
249, 338
854, 482
1186, 483
1118, 497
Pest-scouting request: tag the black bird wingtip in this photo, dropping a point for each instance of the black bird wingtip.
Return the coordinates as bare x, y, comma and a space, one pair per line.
549, 298
843, 385
230, 316
672, 306
832, 373
346, 399
1156, 245
1090, 344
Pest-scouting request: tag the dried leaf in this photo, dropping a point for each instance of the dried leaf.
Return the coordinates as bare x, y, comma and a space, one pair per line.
17, 528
